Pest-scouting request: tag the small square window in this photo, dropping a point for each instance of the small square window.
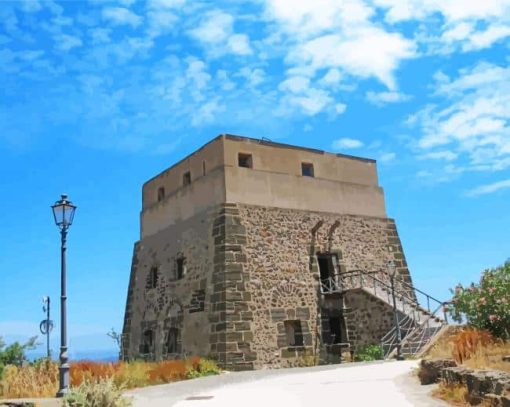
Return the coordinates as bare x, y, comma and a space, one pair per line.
307, 170
161, 194
186, 178
294, 333
245, 160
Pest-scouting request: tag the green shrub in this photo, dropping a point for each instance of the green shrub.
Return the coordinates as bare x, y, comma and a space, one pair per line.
369, 352
205, 367
486, 305
103, 393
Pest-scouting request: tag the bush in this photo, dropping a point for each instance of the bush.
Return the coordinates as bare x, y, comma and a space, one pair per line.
486, 305
369, 352
14, 354
103, 393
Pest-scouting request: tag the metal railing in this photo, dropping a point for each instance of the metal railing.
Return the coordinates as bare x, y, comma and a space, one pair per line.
418, 321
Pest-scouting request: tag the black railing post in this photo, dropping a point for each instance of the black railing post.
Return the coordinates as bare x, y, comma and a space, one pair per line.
395, 315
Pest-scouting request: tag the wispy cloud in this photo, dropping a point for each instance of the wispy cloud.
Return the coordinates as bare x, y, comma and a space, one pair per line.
489, 188
383, 98
347, 143
475, 123
121, 16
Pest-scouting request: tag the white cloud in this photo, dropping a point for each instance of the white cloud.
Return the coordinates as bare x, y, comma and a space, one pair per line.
476, 121
369, 52
121, 16
239, 44
334, 35
382, 98
439, 155
100, 35
168, 4
216, 33
386, 157
489, 188
66, 42
488, 37
214, 28
160, 22
347, 143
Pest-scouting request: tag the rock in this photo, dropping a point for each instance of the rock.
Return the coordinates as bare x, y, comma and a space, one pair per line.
506, 358
455, 375
430, 370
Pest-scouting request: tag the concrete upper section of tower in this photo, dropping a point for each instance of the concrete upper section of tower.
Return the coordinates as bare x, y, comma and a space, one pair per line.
243, 170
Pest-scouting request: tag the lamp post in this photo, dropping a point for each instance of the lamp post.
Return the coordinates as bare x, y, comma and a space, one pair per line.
63, 212
392, 271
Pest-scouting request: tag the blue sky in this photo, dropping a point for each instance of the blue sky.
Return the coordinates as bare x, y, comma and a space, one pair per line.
99, 96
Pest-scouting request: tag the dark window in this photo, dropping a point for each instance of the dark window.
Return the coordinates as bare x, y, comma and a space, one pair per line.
245, 160
147, 342
172, 341
307, 170
161, 194
294, 333
203, 167
186, 178
152, 278
180, 267
326, 265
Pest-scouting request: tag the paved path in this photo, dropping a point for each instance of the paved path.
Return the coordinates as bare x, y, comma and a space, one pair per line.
365, 384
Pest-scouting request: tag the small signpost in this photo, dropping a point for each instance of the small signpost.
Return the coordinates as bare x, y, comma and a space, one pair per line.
46, 325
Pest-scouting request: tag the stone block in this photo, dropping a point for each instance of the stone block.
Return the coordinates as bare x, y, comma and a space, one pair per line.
278, 314
288, 353
430, 370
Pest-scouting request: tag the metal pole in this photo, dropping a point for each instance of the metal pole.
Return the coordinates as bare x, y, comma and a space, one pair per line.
48, 329
64, 365
395, 314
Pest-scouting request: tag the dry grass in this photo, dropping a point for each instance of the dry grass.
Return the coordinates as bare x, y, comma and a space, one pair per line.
473, 350
454, 395
30, 381
469, 341
490, 357
41, 380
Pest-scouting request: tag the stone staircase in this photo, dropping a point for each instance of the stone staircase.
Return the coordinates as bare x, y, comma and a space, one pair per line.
418, 324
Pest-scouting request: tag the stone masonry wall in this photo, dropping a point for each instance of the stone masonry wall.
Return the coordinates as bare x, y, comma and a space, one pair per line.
173, 303
280, 251
251, 272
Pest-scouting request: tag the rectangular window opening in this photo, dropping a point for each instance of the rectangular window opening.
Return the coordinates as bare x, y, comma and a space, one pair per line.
326, 265
161, 194
147, 342
203, 168
186, 178
172, 341
307, 170
245, 160
181, 268
294, 333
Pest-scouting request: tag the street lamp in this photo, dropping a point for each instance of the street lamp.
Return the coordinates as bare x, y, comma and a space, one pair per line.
392, 271
63, 211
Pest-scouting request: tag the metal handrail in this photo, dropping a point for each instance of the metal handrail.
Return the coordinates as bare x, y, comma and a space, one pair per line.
388, 286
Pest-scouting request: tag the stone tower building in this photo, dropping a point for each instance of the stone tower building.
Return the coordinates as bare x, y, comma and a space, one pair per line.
247, 255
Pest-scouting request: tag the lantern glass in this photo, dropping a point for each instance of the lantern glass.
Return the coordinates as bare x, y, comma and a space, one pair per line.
63, 212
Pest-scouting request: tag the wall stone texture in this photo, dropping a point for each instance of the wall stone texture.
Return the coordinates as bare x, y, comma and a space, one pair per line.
249, 271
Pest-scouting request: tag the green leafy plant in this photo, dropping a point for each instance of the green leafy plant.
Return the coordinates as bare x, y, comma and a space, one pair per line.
103, 393
369, 352
486, 305
205, 367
